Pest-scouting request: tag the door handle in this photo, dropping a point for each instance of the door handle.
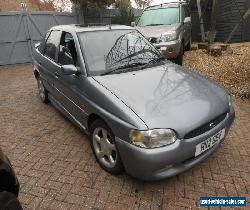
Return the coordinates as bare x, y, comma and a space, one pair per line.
56, 75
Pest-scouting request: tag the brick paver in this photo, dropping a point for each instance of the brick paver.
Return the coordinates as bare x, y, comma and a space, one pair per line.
57, 170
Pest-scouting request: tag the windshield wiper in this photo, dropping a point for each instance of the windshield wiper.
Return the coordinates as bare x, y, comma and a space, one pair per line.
155, 24
153, 61
122, 68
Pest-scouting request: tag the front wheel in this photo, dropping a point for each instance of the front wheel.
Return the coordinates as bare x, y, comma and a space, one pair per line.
104, 147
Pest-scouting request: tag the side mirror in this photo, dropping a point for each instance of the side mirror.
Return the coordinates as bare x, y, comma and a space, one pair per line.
69, 69
37, 44
187, 20
133, 24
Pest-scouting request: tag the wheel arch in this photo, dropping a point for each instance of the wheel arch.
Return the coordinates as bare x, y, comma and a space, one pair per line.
92, 118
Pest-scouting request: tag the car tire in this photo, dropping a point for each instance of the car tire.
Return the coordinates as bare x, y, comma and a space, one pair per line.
104, 147
189, 45
179, 59
43, 93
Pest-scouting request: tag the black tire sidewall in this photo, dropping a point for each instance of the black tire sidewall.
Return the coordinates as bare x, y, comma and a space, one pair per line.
118, 168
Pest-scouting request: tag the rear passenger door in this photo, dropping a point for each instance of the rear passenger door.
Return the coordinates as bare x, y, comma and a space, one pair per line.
48, 63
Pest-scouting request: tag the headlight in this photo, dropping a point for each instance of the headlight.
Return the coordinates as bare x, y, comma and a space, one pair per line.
152, 138
168, 36
229, 100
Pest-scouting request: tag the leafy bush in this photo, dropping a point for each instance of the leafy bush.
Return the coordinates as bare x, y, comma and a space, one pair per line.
125, 16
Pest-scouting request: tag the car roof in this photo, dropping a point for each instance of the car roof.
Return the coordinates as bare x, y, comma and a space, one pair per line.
167, 4
85, 28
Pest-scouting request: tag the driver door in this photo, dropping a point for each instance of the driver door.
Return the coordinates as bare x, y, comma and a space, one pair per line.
69, 85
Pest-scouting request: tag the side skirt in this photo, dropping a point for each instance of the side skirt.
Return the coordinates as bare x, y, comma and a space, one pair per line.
66, 113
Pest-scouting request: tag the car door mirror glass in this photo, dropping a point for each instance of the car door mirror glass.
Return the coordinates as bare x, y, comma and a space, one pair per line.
69, 70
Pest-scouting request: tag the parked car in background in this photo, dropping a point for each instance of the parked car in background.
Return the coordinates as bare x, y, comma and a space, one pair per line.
143, 113
168, 27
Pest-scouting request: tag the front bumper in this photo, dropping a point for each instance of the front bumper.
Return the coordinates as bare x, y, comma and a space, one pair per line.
160, 163
169, 49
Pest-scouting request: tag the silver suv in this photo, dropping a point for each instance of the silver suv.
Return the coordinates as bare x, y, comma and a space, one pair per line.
168, 27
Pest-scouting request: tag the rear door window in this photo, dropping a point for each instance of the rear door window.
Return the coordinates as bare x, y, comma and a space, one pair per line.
51, 45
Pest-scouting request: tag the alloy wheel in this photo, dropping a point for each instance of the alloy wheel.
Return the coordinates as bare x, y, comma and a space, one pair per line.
104, 147
41, 89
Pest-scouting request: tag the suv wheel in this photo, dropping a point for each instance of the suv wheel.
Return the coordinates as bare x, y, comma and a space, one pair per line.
104, 147
179, 59
43, 93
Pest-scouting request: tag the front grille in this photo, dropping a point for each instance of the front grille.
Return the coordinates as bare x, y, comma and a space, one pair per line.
153, 40
206, 127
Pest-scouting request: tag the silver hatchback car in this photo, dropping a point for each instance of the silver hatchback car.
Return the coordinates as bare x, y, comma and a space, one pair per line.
144, 114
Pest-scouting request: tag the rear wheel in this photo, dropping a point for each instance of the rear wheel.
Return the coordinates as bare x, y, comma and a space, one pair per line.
43, 93
104, 147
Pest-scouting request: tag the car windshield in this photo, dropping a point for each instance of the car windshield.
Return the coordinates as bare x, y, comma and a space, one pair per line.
108, 51
160, 16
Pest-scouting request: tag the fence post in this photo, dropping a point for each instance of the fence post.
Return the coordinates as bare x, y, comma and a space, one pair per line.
17, 28
27, 31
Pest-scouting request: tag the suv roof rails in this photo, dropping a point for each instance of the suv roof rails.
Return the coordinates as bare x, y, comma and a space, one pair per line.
91, 24
172, 2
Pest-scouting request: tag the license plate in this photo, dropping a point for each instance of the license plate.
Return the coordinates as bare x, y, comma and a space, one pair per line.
207, 144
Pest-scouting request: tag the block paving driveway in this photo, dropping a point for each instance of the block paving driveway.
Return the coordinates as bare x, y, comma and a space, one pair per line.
57, 170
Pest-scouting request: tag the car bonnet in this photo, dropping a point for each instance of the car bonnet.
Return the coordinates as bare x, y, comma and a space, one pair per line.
168, 96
